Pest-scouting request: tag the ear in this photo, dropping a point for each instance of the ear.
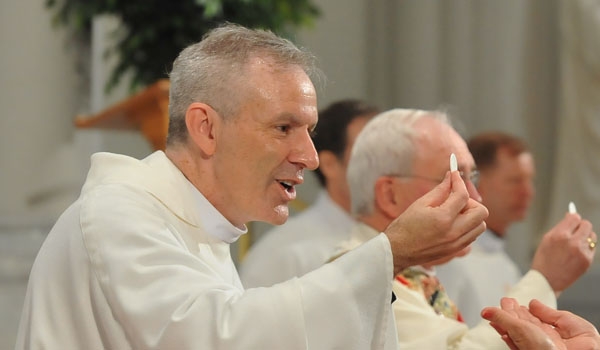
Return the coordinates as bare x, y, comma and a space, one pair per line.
385, 197
201, 120
329, 165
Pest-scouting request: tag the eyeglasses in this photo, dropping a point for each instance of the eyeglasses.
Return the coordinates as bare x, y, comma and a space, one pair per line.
472, 177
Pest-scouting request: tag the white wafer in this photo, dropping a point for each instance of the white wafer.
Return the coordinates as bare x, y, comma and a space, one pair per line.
572, 208
453, 163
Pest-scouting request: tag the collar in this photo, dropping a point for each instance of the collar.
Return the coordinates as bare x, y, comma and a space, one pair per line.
157, 175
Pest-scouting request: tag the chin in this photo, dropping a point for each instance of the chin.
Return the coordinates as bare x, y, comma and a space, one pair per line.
280, 215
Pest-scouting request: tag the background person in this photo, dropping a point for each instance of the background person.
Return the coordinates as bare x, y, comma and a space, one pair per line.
308, 239
398, 157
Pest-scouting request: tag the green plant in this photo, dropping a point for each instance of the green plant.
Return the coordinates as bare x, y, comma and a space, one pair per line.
155, 31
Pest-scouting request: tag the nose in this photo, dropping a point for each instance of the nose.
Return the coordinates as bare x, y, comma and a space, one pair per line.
473, 193
527, 191
530, 189
305, 153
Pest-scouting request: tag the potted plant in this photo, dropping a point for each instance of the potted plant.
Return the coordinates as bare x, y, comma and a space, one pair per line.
155, 31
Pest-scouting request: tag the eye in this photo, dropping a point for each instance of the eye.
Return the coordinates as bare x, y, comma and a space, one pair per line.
283, 128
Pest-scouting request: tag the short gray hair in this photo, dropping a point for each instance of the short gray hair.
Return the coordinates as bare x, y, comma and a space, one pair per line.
385, 146
212, 70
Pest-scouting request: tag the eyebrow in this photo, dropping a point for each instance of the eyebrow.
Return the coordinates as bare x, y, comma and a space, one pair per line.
294, 119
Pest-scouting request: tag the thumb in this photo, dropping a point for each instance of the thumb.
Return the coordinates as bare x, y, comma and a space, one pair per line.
545, 313
492, 314
512, 330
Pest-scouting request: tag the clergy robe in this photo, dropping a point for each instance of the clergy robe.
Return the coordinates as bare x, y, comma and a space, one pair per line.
131, 264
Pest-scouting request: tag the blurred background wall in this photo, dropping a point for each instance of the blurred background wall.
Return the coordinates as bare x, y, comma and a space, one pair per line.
531, 68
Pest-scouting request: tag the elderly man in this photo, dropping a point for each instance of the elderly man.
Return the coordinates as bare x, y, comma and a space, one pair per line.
141, 260
400, 156
307, 240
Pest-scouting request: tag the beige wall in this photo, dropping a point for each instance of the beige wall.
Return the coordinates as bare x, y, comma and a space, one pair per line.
39, 97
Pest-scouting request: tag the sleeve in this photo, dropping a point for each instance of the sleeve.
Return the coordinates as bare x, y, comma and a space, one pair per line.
419, 327
533, 286
166, 294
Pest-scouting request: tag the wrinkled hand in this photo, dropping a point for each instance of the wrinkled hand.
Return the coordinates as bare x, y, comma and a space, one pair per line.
564, 253
437, 225
540, 327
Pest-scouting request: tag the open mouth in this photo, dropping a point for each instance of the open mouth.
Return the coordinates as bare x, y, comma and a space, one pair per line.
288, 186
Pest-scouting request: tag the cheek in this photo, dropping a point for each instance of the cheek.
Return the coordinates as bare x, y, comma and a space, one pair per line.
423, 189
265, 158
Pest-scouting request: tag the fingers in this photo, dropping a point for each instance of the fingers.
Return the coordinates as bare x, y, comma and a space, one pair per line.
440, 193
565, 323
509, 342
524, 314
503, 321
544, 313
585, 238
456, 195
570, 222
489, 312
471, 222
508, 304
497, 318
469, 236
517, 327
583, 230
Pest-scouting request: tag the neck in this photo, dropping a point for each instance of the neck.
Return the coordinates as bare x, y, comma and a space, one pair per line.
374, 221
199, 175
183, 160
498, 228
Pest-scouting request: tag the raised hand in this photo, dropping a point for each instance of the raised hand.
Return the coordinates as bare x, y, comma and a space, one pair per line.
437, 225
565, 253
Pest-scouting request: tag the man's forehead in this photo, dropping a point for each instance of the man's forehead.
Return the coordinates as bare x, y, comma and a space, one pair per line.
516, 162
434, 147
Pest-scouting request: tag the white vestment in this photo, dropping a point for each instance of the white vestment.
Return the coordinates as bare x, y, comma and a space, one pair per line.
299, 246
480, 278
420, 327
141, 260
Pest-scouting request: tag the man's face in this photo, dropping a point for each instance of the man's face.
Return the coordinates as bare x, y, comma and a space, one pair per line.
432, 160
263, 150
507, 187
